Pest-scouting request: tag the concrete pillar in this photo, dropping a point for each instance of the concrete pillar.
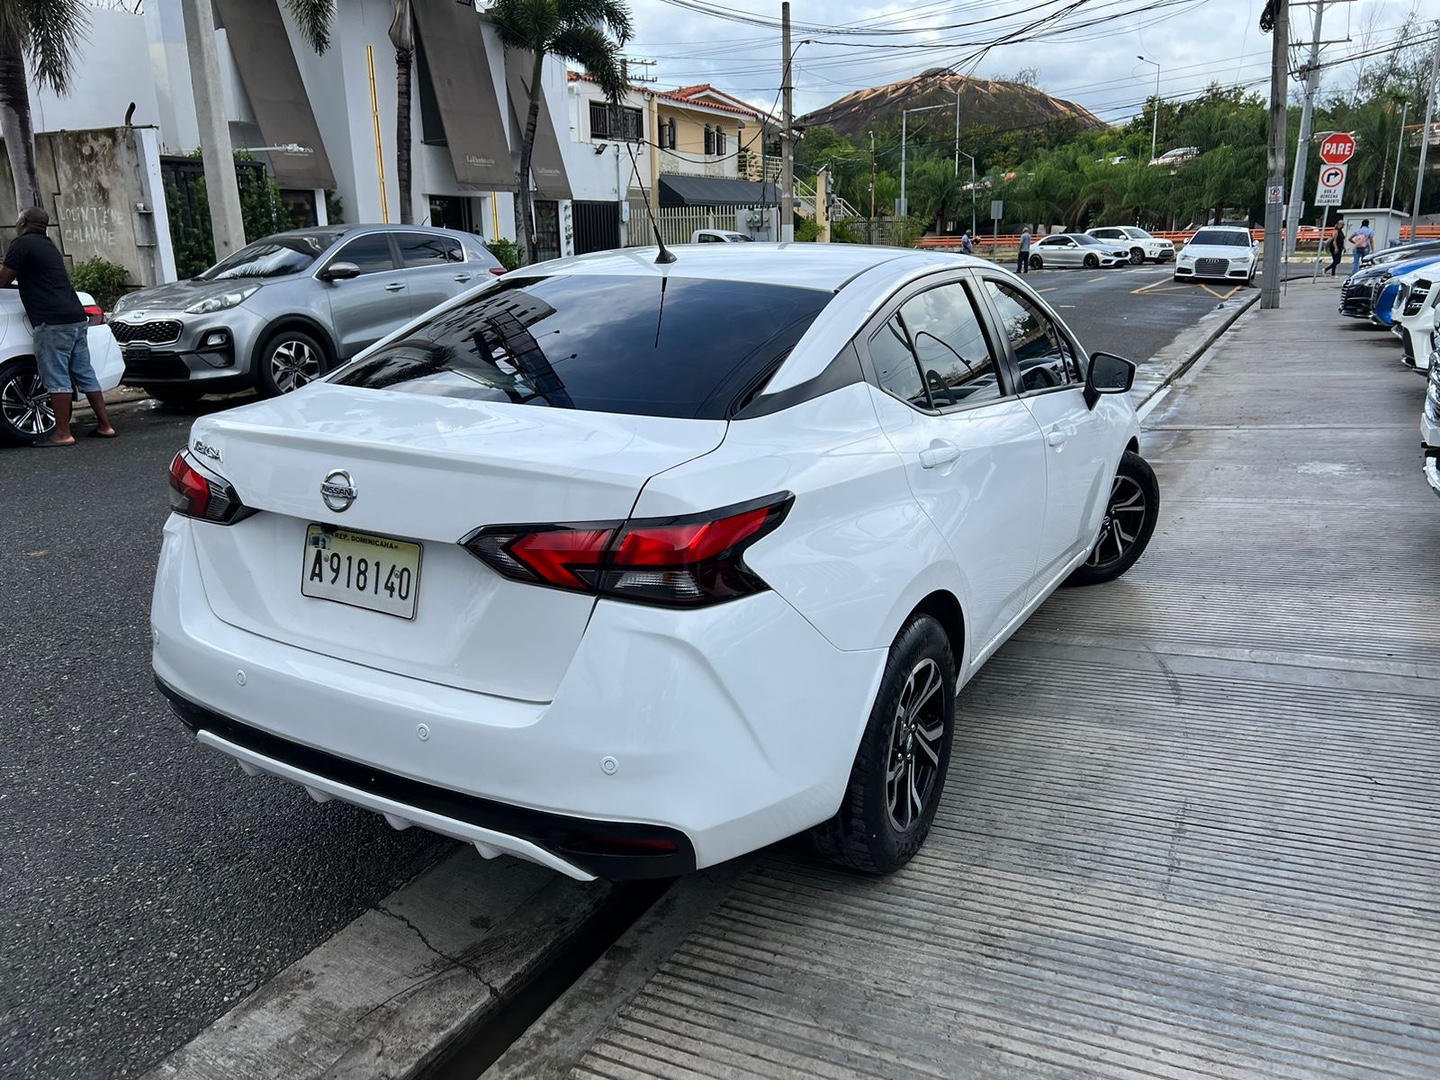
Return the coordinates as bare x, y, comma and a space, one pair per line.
221, 188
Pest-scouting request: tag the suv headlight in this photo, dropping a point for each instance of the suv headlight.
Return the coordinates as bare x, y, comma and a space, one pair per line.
220, 303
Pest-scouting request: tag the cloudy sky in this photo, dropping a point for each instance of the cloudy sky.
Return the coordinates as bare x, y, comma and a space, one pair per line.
1086, 52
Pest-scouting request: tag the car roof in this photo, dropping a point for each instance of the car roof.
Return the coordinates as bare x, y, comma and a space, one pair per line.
335, 232
812, 266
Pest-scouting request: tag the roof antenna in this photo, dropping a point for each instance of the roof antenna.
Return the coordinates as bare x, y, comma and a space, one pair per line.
666, 256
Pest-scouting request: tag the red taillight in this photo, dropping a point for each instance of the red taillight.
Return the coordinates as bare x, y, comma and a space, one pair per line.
96, 314
195, 495
684, 562
497, 270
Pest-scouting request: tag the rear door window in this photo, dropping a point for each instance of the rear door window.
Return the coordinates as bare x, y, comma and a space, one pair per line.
419, 250
932, 353
644, 345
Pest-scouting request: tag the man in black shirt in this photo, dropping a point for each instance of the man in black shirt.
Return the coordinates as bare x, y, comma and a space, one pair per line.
61, 327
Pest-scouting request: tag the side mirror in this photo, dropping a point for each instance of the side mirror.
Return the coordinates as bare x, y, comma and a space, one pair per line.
340, 271
1108, 374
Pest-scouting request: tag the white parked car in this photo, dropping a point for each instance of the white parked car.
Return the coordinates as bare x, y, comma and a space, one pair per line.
720, 236
629, 568
1224, 252
25, 413
1076, 249
1430, 416
1412, 318
1141, 244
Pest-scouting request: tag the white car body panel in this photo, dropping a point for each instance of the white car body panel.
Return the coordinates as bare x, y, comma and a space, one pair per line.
1414, 329
1241, 261
1430, 422
1155, 248
736, 723
1062, 250
16, 339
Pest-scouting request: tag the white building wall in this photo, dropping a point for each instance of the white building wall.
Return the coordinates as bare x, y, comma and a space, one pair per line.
610, 174
110, 73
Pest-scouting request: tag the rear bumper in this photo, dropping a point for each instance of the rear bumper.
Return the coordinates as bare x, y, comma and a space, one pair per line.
716, 731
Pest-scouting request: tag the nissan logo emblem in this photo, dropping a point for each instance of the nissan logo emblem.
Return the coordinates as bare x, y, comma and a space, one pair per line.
338, 490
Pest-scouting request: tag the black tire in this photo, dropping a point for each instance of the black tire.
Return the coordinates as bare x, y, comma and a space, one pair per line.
1130, 516
178, 396
1091, 262
1036, 262
25, 413
287, 361
870, 832
1137, 256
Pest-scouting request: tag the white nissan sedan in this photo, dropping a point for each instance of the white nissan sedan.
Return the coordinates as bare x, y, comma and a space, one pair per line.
628, 567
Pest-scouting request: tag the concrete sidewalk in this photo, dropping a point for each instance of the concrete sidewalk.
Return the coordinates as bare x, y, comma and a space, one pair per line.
1191, 827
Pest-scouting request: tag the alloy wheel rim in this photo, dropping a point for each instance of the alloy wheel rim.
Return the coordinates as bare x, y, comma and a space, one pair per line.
1136, 256
1124, 516
916, 732
292, 365
25, 404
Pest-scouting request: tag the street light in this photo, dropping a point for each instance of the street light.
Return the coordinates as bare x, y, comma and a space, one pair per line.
904, 119
1155, 128
958, 155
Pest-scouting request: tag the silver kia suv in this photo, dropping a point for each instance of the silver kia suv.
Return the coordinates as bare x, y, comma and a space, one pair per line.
283, 310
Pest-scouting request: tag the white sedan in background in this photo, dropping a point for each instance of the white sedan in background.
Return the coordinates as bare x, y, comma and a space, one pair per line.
25, 413
1224, 252
629, 568
1076, 249
1140, 243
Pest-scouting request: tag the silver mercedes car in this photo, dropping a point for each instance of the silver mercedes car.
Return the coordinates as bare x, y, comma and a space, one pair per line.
283, 310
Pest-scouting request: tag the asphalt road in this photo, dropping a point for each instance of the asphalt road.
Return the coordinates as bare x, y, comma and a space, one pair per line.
146, 884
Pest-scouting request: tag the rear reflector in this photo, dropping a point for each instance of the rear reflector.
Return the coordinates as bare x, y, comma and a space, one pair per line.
674, 562
196, 495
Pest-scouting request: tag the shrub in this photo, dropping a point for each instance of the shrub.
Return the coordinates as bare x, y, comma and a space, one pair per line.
103, 280
808, 231
507, 251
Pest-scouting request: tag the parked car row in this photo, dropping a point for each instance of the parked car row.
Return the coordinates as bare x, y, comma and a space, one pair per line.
1399, 288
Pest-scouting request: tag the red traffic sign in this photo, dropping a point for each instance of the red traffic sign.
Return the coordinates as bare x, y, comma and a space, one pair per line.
1337, 149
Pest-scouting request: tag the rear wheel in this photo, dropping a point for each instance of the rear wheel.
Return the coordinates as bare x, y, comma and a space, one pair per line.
1036, 262
1137, 256
1130, 516
25, 413
899, 771
288, 360
1091, 262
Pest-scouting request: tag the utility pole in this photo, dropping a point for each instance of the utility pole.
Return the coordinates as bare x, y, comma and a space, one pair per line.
1302, 149
1279, 11
1399, 149
872, 187
222, 190
1424, 139
1155, 122
787, 148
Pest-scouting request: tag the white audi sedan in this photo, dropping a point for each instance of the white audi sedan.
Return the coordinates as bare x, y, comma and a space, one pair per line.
628, 567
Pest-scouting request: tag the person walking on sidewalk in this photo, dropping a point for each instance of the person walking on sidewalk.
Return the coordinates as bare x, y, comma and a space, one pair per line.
1023, 265
62, 346
1362, 238
1335, 245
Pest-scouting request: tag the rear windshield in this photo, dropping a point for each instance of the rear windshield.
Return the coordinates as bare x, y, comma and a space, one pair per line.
1221, 238
648, 346
275, 256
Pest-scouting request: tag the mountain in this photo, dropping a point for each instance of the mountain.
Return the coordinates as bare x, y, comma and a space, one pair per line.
1003, 105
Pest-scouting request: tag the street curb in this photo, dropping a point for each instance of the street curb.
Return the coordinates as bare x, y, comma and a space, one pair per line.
403, 985
1192, 345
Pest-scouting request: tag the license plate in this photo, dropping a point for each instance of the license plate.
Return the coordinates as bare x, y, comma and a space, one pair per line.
364, 571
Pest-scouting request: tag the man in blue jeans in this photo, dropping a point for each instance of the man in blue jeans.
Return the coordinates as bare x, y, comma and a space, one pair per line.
61, 327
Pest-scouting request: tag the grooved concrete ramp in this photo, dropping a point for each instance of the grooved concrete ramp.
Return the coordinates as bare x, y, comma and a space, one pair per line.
1191, 829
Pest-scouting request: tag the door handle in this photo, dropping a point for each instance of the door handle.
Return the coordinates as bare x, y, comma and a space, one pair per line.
1059, 435
462, 278
394, 287
939, 453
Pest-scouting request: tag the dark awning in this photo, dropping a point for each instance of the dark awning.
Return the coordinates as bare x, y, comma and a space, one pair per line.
547, 165
714, 191
465, 92
277, 95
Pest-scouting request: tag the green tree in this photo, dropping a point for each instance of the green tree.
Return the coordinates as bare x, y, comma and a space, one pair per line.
586, 32
314, 19
47, 34
937, 191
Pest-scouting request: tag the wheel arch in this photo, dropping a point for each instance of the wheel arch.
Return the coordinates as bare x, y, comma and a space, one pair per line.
305, 323
943, 606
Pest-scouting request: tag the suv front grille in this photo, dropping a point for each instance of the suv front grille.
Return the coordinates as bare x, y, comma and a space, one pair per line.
159, 332
1212, 266
1415, 298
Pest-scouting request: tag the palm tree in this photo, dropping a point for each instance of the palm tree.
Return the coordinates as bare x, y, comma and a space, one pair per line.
586, 32
314, 18
47, 32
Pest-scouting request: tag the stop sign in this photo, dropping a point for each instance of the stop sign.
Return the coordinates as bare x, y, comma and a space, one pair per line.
1337, 149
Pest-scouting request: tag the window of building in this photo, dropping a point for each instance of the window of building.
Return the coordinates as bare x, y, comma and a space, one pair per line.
616, 122
709, 139
719, 141
667, 134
